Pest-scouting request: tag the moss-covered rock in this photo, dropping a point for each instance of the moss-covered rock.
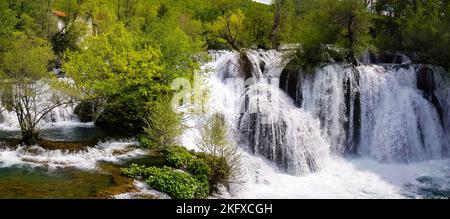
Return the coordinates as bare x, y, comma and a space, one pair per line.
85, 111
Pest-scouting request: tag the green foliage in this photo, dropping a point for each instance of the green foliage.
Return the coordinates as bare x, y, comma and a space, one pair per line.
222, 171
343, 24
177, 184
144, 141
178, 157
162, 125
213, 169
199, 167
115, 68
69, 38
230, 27
220, 153
421, 29
130, 65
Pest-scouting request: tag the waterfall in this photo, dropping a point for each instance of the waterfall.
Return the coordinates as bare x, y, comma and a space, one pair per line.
295, 128
263, 118
380, 111
275, 128
331, 94
62, 115
376, 111
398, 123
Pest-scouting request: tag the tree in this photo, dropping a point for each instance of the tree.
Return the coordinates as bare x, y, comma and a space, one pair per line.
230, 27
215, 141
283, 16
162, 125
418, 28
28, 89
116, 71
258, 24
8, 22
342, 24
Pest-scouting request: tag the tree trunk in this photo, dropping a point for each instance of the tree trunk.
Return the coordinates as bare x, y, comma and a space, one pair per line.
276, 24
351, 39
29, 137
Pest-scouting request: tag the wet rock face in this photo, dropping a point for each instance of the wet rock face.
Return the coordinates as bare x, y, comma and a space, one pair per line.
85, 111
268, 140
386, 58
245, 67
288, 82
426, 83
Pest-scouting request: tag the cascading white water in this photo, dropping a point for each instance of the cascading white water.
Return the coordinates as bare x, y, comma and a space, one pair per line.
398, 123
36, 156
261, 115
350, 110
324, 95
62, 115
276, 129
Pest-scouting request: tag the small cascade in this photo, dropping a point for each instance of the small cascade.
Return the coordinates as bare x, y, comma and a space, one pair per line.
59, 116
36, 156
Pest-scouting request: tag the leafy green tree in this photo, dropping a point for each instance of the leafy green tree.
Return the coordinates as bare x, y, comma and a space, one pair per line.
163, 126
342, 24
117, 71
283, 18
8, 22
418, 28
258, 24
230, 28
27, 88
224, 155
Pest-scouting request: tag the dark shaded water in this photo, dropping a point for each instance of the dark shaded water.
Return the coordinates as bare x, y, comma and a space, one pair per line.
70, 133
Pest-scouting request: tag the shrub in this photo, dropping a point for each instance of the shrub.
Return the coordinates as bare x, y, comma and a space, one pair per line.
203, 190
177, 184
221, 153
162, 125
220, 170
178, 157
144, 141
199, 167
136, 171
